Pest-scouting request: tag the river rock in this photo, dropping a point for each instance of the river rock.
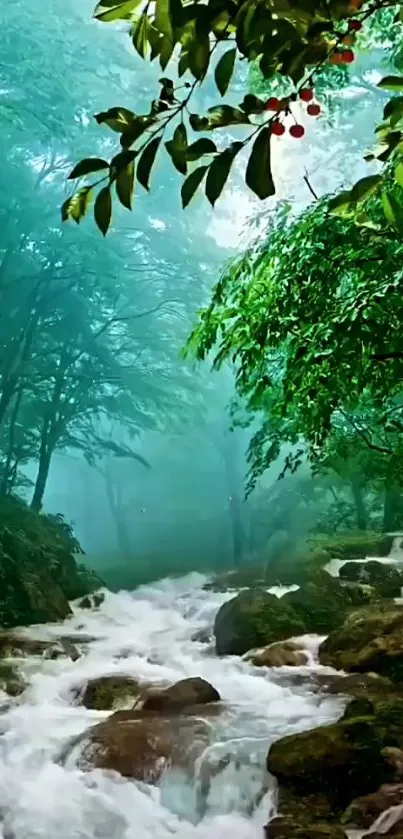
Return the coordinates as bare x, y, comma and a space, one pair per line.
340, 762
110, 693
283, 827
92, 601
363, 811
322, 602
16, 645
183, 694
253, 619
280, 654
370, 640
143, 748
356, 684
11, 680
385, 579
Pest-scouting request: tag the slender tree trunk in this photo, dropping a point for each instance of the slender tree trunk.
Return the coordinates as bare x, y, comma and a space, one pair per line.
229, 455
45, 457
5, 487
118, 513
359, 501
391, 508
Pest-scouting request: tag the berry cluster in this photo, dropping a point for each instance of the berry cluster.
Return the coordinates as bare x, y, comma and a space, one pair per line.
343, 54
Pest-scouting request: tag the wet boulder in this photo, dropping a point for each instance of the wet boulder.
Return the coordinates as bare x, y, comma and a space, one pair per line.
92, 601
322, 602
144, 748
183, 694
363, 811
370, 640
385, 579
280, 654
18, 645
110, 693
357, 684
338, 762
283, 827
254, 619
11, 680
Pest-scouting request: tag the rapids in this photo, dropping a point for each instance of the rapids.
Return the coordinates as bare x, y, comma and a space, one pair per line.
148, 634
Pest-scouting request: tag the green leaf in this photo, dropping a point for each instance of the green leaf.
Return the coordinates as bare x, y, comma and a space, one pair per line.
364, 186
253, 105
200, 148
392, 111
258, 171
191, 184
77, 205
140, 35
121, 160
394, 83
103, 209
163, 20
146, 162
399, 173
224, 70
219, 116
125, 185
166, 50
135, 130
118, 119
199, 55
218, 172
392, 210
177, 147
108, 10
340, 203
87, 167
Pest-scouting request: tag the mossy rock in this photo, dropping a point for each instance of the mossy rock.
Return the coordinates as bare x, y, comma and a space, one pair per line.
254, 619
11, 680
283, 827
370, 640
110, 693
340, 761
386, 580
322, 601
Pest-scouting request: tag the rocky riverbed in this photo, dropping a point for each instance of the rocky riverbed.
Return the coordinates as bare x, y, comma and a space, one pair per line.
124, 721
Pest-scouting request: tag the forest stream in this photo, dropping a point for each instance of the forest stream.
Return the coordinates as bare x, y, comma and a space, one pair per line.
148, 634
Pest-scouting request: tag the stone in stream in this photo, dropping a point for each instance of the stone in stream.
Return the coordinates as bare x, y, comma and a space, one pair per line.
336, 763
183, 694
385, 579
280, 654
11, 680
370, 640
143, 748
110, 693
282, 827
322, 601
363, 811
92, 601
253, 619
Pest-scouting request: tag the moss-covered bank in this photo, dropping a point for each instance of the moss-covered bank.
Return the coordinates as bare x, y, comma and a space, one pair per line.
38, 569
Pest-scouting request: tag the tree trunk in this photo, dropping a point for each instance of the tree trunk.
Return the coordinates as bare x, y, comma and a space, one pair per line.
6, 482
45, 457
359, 501
392, 508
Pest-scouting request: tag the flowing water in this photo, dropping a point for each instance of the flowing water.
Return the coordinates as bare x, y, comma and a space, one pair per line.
148, 634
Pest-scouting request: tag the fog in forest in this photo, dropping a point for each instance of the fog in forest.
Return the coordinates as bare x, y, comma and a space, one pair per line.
105, 422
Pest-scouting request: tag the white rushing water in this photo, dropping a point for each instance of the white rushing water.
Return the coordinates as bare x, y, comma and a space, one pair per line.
147, 634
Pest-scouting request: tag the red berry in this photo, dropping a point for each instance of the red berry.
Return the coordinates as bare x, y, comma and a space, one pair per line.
277, 128
297, 131
313, 109
273, 104
354, 25
306, 94
347, 57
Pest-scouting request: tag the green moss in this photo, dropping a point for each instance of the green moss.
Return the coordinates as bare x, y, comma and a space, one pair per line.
110, 693
254, 619
38, 569
370, 640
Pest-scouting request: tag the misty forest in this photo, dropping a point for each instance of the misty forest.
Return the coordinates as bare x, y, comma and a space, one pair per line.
201, 419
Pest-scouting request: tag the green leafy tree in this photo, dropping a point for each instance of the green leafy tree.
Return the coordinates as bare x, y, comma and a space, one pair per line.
294, 49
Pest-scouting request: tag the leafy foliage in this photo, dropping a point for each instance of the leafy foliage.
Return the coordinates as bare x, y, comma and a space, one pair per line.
291, 46
311, 319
